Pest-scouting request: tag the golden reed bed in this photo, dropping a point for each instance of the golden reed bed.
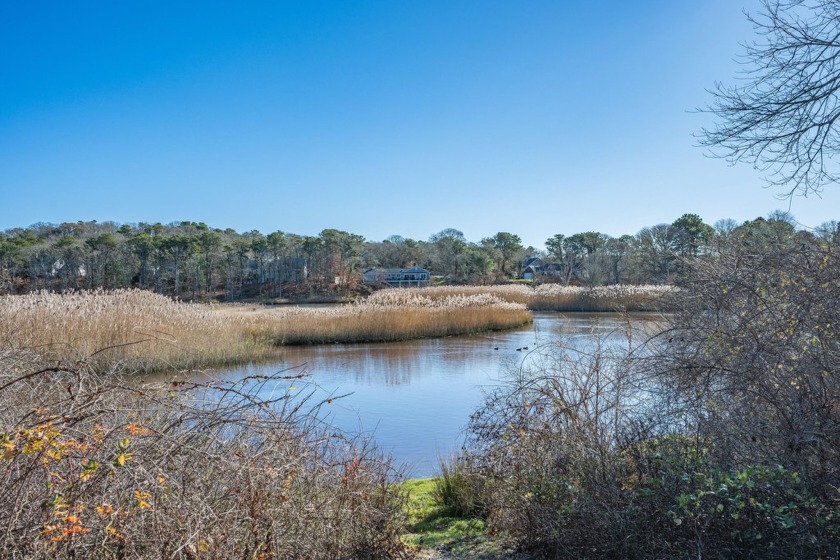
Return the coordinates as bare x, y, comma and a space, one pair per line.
555, 297
143, 331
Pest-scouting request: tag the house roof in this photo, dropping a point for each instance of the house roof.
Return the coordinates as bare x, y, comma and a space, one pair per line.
398, 270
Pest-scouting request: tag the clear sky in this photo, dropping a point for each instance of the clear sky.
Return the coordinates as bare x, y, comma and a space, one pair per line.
376, 117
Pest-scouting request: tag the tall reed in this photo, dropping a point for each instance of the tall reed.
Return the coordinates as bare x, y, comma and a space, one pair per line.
136, 329
391, 315
556, 297
144, 332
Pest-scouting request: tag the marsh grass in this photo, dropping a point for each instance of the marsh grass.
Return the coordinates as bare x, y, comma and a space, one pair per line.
555, 297
134, 329
142, 331
392, 315
513, 293
146, 332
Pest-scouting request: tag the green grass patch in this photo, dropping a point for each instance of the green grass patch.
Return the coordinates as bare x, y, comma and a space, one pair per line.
430, 522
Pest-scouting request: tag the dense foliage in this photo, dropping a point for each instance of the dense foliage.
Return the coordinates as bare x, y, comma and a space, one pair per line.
717, 437
193, 260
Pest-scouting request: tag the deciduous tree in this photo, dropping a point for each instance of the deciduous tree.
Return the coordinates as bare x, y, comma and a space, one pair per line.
782, 115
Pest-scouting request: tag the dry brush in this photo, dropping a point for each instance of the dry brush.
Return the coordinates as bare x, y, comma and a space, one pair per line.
109, 467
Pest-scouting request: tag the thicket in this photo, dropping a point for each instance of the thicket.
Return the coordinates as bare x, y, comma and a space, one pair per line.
716, 438
104, 466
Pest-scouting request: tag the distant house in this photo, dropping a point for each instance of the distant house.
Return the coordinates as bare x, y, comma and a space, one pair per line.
414, 277
535, 267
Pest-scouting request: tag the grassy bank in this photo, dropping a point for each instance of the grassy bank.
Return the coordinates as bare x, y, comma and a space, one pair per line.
438, 529
433, 524
555, 297
146, 332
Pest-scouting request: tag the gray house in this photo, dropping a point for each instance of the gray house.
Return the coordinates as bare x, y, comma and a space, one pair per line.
414, 277
533, 267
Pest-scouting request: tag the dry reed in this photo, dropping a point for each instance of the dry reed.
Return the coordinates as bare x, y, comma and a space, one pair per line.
146, 332
514, 293
391, 315
138, 329
556, 297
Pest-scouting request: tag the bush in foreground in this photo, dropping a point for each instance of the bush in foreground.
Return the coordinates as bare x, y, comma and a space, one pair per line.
568, 470
108, 467
716, 438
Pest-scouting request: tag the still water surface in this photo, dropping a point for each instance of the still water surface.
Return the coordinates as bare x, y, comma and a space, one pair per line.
415, 397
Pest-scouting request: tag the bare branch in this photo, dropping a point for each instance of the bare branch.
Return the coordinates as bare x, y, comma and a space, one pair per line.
781, 117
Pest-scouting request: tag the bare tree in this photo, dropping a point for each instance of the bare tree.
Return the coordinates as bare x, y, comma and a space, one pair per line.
782, 115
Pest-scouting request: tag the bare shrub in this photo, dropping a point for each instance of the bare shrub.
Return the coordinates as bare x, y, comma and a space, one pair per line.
547, 445
109, 467
753, 353
716, 438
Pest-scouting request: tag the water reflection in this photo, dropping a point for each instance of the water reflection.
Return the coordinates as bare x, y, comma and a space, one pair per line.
415, 397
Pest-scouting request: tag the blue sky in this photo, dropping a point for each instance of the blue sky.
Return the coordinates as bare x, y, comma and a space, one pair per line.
377, 117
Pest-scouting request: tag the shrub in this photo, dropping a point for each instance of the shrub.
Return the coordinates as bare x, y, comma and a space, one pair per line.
564, 484
752, 354
457, 489
545, 446
111, 467
718, 437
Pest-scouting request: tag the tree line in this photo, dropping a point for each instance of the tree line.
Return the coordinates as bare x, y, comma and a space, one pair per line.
193, 260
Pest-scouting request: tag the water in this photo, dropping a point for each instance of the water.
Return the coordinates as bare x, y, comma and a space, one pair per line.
415, 398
